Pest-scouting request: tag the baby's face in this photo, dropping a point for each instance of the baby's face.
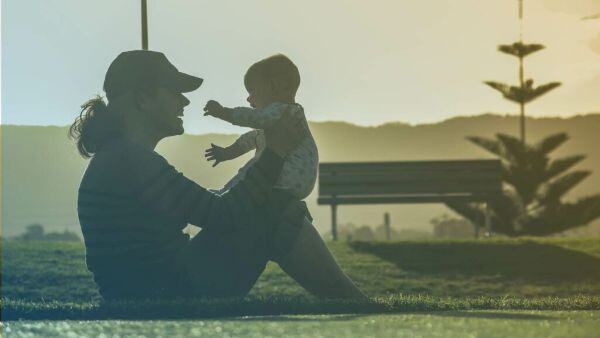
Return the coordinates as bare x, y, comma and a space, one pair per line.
259, 96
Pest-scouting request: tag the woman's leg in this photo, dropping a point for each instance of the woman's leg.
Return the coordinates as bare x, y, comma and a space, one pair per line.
312, 265
223, 264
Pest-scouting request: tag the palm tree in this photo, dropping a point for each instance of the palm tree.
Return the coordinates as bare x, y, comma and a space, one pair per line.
532, 202
525, 92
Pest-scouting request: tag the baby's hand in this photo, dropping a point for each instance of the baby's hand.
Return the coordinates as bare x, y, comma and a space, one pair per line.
213, 108
217, 154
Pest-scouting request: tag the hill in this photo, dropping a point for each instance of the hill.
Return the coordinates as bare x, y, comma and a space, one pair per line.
41, 169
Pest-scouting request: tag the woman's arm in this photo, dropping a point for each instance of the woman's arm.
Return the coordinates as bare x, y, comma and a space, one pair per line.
168, 191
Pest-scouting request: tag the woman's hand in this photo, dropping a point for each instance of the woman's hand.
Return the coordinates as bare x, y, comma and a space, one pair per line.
285, 135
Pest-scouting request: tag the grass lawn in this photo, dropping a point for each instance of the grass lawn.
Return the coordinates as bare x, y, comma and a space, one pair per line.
433, 324
45, 280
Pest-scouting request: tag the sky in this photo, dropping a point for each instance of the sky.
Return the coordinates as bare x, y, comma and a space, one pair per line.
365, 62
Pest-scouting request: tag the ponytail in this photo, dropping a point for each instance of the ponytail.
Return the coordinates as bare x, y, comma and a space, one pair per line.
95, 125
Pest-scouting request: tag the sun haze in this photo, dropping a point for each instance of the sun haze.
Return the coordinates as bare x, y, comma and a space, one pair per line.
362, 62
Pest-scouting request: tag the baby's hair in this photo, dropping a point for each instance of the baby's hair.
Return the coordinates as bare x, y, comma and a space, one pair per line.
277, 68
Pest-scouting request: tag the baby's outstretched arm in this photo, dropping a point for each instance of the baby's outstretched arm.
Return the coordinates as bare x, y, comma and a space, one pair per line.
242, 145
250, 117
260, 118
215, 109
218, 154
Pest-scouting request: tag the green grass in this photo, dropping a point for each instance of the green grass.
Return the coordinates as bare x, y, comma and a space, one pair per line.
436, 324
42, 280
203, 308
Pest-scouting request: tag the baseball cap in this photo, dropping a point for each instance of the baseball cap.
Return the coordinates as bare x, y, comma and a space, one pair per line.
138, 68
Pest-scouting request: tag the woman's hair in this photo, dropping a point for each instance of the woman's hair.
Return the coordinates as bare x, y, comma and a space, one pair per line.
277, 68
95, 125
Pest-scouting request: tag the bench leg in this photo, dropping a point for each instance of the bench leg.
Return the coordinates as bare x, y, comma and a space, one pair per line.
334, 222
488, 221
386, 223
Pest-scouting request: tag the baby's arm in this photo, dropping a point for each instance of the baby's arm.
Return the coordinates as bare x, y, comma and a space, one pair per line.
259, 118
242, 145
250, 117
245, 143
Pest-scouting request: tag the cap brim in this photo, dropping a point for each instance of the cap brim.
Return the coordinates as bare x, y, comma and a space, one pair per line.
185, 83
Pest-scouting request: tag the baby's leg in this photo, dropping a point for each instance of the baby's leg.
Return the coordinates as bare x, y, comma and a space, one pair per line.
312, 265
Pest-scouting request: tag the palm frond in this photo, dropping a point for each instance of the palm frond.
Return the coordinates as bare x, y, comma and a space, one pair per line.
588, 208
514, 148
524, 94
563, 217
559, 166
534, 93
520, 49
555, 190
491, 145
548, 144
503, 88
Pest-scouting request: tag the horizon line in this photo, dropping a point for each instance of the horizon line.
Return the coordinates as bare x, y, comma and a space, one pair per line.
397, 122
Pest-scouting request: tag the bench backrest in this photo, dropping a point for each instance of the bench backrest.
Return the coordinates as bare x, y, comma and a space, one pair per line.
409, 181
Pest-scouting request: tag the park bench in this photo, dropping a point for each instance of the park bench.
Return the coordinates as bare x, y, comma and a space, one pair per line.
408, 182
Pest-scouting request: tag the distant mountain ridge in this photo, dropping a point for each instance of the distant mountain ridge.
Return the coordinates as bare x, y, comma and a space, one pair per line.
41, 169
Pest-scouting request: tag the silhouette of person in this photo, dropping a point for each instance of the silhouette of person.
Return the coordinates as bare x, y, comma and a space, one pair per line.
133, 205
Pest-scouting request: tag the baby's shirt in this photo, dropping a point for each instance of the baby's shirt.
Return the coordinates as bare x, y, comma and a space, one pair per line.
300, 166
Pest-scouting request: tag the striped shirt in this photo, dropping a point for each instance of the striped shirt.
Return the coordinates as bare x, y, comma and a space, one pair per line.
133, 205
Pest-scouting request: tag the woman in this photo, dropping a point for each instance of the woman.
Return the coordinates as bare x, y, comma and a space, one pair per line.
133, 205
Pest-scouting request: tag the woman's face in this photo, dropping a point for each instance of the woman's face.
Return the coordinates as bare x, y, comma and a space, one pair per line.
163, 108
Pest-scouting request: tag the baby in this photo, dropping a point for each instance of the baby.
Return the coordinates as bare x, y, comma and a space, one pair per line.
271, 84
